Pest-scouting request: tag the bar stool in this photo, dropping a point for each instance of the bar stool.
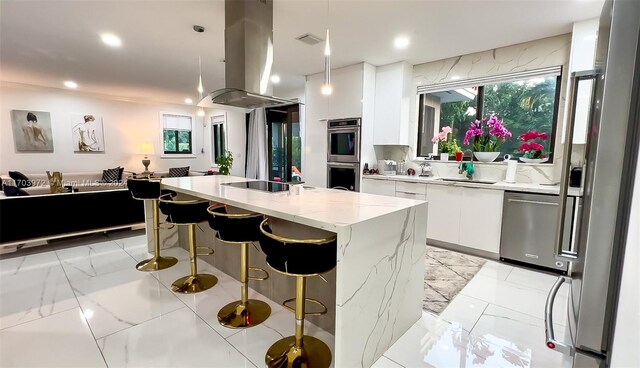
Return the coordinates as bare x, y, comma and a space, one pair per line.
240, 228
189, 213
300, 258
146, 189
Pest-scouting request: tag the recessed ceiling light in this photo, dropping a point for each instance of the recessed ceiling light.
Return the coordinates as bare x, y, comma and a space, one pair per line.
71, 84
275, 79
111, 40
401, 42
188, 101
455, 77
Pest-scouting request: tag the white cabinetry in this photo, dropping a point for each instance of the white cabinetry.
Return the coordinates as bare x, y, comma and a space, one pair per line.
481, 219
411, 190
444, 213
583, 47
392, 103
470, 217
381, 187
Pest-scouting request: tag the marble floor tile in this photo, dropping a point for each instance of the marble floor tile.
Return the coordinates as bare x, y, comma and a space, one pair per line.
464, 310
59, 340
522, 299
122, 299
497, 270
177, 339
385, 362
95, 259
523, 331
535, 279
33, 287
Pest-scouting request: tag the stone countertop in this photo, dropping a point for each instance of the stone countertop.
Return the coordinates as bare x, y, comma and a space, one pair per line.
500, 185
328, 209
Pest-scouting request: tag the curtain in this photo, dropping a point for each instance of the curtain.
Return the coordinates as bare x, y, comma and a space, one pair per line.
257, 152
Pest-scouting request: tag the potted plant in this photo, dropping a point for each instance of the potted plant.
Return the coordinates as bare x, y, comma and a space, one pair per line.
446, 145
488, 134
225, 162
532, 148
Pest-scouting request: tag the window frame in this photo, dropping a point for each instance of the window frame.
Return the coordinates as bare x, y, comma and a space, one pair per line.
177, 154
507, 78
212, 156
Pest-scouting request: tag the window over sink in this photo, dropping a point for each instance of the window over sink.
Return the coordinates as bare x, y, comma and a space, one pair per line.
525, 101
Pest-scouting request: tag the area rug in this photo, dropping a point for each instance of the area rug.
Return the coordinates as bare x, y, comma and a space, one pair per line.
447, 272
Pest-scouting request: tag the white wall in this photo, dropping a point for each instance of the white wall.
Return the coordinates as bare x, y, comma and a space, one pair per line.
626, 338
126, 125
236, 127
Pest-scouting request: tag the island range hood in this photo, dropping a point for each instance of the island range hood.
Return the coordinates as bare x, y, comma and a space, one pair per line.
248, 48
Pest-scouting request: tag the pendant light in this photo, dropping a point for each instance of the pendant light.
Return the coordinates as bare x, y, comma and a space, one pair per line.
327, 89
200, 87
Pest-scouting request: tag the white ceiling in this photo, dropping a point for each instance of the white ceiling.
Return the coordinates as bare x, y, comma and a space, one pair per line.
48, 42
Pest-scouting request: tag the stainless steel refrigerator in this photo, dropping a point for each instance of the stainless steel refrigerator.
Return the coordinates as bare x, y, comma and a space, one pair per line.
611, 155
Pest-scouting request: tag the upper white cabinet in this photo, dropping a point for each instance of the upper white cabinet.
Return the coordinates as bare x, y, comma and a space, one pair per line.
583, 48
346, 99
392, 104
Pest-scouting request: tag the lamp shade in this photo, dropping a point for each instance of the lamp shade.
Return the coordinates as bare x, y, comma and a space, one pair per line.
146, 148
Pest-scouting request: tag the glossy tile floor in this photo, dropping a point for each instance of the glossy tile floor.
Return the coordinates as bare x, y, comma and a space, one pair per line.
87, 306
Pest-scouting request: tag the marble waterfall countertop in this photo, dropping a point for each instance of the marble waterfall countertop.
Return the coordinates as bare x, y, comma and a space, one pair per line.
318, 207
381, 241
500, 185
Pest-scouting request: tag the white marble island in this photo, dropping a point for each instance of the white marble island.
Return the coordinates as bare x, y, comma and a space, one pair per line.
380, 258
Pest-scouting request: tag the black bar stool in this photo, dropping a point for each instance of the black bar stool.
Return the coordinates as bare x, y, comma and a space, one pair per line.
240, 227
146, 189
300, 258
190, 213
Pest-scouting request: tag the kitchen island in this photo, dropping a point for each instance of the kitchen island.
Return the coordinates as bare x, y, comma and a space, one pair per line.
380, 256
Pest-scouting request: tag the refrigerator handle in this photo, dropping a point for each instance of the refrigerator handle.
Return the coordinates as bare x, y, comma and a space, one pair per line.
574, 83
551, 341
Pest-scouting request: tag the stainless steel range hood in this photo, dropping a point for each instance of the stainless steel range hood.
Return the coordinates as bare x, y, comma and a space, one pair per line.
248, 51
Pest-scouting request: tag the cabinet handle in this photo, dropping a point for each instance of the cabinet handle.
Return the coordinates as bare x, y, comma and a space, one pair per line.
532, 202
400, 191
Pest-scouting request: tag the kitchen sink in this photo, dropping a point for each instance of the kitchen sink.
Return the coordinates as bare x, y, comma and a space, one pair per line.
476, 181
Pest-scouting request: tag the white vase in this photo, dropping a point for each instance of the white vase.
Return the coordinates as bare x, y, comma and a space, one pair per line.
486, 156
444, 157
534, 160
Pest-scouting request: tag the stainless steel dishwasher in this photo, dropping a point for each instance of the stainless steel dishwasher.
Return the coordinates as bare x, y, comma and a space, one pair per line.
529, 228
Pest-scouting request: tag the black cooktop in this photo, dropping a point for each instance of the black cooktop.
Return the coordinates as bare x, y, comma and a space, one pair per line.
263, 185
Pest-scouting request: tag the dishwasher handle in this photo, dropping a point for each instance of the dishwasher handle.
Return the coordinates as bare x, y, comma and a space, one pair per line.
532, 202
551, 341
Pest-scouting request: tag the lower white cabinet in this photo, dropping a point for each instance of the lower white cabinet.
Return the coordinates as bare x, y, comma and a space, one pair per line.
411, 190
381, 187
481, 219
470, 217
444, 213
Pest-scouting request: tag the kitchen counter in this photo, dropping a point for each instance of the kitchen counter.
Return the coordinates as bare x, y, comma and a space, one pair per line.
380, 258
500, 185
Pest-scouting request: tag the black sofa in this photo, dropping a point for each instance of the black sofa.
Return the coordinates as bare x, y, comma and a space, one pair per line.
29, 218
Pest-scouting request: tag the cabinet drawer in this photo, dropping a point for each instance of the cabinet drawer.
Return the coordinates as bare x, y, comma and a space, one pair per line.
411, 188
418, 196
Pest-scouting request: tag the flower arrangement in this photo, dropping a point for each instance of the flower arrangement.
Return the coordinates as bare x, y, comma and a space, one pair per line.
533, 145
444, 141
488, 134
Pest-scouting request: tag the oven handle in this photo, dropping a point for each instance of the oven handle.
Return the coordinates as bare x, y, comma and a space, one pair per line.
343, 164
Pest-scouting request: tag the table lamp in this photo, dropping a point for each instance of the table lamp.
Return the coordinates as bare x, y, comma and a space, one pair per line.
146, 149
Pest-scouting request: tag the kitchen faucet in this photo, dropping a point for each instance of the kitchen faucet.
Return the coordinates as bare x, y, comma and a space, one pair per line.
467, 168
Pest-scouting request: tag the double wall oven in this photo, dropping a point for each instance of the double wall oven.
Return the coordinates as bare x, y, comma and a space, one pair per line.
343, 154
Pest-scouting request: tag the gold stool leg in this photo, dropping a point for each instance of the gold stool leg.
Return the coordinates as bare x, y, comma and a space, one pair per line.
156, 262
196, 282
245, 312
300, 350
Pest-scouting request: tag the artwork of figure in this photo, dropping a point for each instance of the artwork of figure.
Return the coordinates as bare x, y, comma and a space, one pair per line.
32, 131
87, 133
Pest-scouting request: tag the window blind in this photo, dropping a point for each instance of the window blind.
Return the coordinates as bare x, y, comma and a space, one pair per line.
217, 119
553, 71
177, 122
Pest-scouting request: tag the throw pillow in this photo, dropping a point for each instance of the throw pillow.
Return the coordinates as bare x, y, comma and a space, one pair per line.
120, 173
11, 191
21, 180
111, 175
175, 172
